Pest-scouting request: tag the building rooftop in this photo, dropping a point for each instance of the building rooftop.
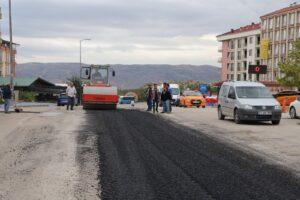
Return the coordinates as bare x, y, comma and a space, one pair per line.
250, 27
283, 10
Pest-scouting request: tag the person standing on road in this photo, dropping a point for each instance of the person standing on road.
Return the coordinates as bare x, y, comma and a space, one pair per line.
71, 93
155, 98
170, 90
7, 95
149, 98
165, 97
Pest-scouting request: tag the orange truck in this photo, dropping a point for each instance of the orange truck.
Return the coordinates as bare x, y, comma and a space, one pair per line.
97, 91
192, 99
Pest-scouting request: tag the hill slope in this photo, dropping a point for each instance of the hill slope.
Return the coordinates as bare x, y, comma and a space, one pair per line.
128, 76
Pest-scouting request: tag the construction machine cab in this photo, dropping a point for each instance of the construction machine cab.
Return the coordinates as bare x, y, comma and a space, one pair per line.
96, 74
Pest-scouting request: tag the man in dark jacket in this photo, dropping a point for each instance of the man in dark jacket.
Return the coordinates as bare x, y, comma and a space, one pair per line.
149, 98
6, 95
155, 99
166, 98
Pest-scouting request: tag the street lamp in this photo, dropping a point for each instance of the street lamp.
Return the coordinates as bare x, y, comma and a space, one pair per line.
80, 44
12, 70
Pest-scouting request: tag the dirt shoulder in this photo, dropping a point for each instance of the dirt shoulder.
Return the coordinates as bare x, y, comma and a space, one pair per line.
38, 154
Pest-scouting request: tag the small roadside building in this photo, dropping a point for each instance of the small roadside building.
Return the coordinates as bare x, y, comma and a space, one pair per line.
40, 86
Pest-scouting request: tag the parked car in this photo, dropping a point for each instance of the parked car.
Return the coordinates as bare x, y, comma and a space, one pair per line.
288, 96
248, 101
126, 99
62, 100
295, 108
192, 98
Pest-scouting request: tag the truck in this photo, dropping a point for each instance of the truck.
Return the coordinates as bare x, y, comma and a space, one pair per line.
98, 93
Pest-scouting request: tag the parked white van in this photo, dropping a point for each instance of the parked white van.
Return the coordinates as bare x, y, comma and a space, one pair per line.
248, 101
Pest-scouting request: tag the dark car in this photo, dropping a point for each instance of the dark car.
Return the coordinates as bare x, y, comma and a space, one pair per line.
62, 100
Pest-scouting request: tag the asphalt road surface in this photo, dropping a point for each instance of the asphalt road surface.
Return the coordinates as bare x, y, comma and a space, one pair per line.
142, 156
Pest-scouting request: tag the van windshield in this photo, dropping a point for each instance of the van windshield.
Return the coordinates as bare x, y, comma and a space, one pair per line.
175, 91
253, 92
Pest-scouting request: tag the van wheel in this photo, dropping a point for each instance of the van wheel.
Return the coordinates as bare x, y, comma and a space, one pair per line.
237, 119
220, 115
276, 122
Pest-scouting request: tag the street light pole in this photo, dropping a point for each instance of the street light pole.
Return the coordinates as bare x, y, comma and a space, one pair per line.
12, 70
80, 45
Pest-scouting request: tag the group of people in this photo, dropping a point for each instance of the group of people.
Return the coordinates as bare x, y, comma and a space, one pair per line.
156, 97
6, 95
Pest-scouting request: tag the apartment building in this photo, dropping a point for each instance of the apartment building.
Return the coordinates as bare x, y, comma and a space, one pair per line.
5, 56
240, 48
279, 29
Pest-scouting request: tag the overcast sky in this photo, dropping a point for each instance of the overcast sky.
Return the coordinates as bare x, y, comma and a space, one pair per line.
128, 31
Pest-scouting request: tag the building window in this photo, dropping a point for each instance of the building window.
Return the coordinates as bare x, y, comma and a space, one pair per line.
298, 32
250, 52
258, 40
264, 24
277, 22
257, 52
238, 66
291, 33
298, 17
239, 55
245, 65
277, 36
271, 36
292, 18
271, 23
283, 49
284, 20
251, 40
239, 43
283, 36
276, 49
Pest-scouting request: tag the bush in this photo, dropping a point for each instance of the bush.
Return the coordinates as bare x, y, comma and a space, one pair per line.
27, 96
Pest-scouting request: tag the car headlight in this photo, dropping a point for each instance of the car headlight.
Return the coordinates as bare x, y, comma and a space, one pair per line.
247, 107
277, 107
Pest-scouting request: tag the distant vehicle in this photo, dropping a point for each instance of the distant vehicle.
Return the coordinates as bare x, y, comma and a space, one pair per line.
126, 99
192, 98
62, 100
175, 90
288, 96
248, 101
295, 108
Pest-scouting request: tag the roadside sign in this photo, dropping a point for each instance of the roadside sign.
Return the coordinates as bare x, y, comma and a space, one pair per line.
258, 69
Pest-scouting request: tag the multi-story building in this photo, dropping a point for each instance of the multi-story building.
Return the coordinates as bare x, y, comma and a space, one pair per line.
279, 29
5, 56
240, 48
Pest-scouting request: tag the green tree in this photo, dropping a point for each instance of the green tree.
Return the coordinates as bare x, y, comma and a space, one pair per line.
291, 67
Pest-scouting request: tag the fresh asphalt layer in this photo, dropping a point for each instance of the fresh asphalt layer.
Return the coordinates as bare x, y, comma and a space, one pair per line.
142, 156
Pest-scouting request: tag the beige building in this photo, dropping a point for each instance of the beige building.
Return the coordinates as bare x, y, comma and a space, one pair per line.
5, 56
278, 30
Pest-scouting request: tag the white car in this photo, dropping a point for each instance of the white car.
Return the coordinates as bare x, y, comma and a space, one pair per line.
295, 109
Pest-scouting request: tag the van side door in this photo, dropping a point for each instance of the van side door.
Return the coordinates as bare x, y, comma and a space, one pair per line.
223, 98
231, 101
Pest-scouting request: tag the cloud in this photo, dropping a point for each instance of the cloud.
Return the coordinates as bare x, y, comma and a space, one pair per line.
128, 31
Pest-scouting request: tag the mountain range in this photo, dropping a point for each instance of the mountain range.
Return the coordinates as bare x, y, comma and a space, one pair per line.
127, 76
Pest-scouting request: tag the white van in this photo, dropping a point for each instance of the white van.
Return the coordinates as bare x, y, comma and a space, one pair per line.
248, 101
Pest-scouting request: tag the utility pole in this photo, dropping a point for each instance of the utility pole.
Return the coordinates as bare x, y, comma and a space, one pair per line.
12, 70
80, 45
